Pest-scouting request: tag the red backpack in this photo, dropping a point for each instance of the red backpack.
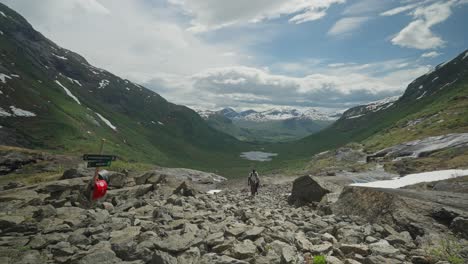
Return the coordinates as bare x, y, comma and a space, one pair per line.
100, 189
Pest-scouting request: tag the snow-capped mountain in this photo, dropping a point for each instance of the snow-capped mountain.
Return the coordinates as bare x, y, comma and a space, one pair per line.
376, 106
272, 114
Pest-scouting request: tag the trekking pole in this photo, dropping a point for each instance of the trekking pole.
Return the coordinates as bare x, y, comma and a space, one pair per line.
96, 172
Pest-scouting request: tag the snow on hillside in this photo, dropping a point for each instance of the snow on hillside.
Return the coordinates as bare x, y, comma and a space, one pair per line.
59, 57
3, 77
107, 122
372, 107
16, 111
20, 112
382, 104
68, 92
414, 179
4, 113
103, 84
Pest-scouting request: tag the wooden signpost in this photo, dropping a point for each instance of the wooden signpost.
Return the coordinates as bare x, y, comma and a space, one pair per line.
99, 160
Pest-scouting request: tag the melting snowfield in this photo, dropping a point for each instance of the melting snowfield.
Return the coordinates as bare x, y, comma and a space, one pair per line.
415, 179
257, 155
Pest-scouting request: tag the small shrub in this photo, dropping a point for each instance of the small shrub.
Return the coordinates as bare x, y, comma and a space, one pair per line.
319, 260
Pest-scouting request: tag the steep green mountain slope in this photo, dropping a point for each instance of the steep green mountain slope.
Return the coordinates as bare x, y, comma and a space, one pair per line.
52, 98
433, 104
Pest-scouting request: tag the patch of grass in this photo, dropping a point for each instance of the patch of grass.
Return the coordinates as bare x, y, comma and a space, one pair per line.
449, 249
30, 179
319, 260
120, 165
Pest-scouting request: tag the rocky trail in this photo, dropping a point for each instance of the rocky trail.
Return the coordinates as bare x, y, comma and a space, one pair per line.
166, 216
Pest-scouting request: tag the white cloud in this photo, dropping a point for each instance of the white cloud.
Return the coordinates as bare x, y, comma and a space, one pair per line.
248, 87
347, 25
215, 14
418, 34
398, 10
431, 54
128, 38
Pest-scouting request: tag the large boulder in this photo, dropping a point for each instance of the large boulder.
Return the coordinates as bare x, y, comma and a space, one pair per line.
407, 210
308, 189
460, 225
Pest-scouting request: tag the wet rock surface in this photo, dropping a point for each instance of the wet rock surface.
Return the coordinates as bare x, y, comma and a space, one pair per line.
170, 221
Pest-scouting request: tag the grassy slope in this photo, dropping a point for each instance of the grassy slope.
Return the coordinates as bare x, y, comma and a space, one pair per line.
388, 127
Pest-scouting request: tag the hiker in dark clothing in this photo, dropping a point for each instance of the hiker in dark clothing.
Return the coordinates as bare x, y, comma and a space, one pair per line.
254, 182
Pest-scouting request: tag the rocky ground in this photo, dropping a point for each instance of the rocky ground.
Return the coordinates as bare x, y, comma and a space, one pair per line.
155, 218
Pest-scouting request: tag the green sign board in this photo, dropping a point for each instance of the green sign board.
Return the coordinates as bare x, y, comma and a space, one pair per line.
99, 163
97, 157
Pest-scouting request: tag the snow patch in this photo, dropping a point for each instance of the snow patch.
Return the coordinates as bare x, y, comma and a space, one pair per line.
161, 123
213, 191
421, 86
74, 81
20, 112
4, 113
465, 56
68, 92
435, 79
60, 57
415, 179
103, 84
128, 89
422, 95
448, 84
107, 122
3, 77
1, 32
15, 75
353, 117
3, 14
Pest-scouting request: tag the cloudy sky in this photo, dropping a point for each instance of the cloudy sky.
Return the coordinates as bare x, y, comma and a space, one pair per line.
209, 54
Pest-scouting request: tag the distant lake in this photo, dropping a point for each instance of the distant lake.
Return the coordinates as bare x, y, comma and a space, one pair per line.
257, 155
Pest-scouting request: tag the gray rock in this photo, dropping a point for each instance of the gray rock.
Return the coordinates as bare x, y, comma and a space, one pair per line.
76, 173
253, 232
215, 239
117, 179
307, 189
379, 260
333, 260
160, 257
383, 248
189, 236
243, 250
321, 249
460, 225
123, 242
130, 192
100, 253
191, 256
423, 147
213, 258
348, 249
